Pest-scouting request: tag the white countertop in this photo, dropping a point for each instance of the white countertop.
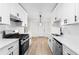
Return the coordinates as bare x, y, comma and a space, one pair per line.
70, 42
5, 42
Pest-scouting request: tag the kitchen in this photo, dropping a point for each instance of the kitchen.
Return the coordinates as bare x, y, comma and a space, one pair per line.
39, 28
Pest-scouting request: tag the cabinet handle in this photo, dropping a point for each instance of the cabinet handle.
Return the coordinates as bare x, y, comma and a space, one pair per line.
24, 39
75, 18
10, 48
68, 53
65, 21
11, 53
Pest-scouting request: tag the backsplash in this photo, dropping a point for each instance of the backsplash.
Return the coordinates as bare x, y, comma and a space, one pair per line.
71, 30
20, 29
15, 23
10, 28
2, 27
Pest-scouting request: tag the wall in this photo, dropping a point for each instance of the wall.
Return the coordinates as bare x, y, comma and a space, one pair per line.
34, 26
15, 23
10, 28
71, 30
17, 26
3, 27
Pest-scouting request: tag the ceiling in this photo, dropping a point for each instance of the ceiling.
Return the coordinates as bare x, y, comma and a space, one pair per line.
35, 9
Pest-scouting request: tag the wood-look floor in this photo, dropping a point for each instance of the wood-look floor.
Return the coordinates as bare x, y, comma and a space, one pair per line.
39, 46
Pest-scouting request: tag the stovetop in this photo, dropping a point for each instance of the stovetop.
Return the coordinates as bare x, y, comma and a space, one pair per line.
16, 35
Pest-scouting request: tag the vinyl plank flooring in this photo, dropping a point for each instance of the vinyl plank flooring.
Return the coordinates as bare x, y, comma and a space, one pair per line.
39, 46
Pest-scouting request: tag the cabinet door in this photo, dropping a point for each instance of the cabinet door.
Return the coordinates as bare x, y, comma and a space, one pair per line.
22, 14
65, 11
77, 11
24, 18
67, 51
11, 48
58, 11
68, 12
49, 42
16, 51
19, 11
3, 51
13, 8
30, 41
54, 45
4, 13
16, 48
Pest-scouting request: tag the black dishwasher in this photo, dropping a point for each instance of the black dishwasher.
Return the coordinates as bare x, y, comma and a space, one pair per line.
57, 50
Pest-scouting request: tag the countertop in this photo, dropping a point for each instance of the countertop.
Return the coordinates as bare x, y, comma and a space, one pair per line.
70, 41
5, 42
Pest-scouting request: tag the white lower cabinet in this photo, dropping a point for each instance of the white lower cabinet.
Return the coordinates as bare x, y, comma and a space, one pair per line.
67, 51
16, 51
50, 43
30, 41
11, 49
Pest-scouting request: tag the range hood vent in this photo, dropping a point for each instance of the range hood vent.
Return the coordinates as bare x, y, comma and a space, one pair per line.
14, 18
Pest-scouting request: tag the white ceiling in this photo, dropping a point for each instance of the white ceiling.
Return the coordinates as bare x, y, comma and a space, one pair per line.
35, 9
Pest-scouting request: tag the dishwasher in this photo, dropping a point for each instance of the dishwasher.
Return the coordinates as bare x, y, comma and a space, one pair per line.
57, 47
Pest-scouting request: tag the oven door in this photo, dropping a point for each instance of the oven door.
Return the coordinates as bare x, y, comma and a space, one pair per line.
24, 47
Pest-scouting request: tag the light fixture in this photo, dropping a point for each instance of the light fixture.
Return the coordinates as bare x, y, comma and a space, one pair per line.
40, 20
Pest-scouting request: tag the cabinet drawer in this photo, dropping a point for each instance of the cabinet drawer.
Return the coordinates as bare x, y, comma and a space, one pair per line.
13, 45
9, 48
67, 51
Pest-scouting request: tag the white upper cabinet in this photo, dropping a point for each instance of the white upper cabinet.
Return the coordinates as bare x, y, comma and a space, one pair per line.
58, 11
4, 13
57, 14
12, 8
68, 12
24, 19
65, 12
77, 11
23, 15
15, 9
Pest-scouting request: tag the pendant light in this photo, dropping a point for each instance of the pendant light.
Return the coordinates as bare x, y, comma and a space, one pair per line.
40, 20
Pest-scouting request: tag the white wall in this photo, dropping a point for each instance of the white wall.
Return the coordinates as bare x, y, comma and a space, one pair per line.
3, 27
8, 27
71, 30
34, 27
